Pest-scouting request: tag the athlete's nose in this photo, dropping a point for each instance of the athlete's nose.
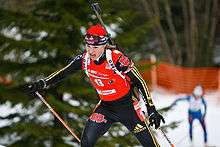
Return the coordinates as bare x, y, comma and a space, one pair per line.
91, 49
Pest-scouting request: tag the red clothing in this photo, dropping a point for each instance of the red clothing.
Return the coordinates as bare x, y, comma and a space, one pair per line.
109, 85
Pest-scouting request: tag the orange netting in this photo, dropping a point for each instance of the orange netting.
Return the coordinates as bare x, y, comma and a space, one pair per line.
4, 80
183, 79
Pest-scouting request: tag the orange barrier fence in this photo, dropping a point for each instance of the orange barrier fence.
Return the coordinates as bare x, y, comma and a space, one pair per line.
5, 80
182, 79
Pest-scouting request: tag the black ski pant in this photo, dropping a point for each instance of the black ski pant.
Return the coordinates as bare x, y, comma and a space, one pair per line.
107, 113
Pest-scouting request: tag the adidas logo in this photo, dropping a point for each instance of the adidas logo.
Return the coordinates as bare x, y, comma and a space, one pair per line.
138, 128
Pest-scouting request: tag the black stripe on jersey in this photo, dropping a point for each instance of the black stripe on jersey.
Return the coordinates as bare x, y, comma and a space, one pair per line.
144, 85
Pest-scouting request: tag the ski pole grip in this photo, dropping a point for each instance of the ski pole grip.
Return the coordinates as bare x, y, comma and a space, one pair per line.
95, 7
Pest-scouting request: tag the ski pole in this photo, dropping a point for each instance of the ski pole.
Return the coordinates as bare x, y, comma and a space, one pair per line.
97, 10
139, 95
57, 116
164, 134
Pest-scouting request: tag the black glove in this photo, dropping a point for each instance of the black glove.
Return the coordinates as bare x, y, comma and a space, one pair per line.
36, 86
155, 118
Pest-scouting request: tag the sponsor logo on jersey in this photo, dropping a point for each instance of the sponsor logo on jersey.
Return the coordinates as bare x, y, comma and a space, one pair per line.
106, 92
124, 61
97, 73
138, 128
116, 51
107, 66
111, 81
98, 118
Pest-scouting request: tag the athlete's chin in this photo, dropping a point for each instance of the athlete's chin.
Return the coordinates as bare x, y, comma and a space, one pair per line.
93, 57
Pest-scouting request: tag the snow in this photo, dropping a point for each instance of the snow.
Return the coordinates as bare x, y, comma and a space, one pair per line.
180, 136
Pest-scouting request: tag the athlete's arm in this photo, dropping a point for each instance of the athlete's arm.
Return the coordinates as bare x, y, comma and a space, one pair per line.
205, 106
127, 67
72, 67
139, 82
187, 98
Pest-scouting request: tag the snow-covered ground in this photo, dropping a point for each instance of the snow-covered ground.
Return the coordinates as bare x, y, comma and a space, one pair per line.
180, 136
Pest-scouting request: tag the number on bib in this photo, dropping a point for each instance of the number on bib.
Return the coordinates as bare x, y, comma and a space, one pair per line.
99, 82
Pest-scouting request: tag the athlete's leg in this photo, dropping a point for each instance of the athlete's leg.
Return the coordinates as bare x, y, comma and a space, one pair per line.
202, 122
142, 132
96, 126
190, 120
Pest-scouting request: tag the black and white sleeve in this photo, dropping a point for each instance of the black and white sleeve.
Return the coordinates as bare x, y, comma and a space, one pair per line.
138, 81
74, 66
126, 66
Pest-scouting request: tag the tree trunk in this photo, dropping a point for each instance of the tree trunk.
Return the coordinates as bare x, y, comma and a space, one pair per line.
175, 46
153, 12
203, 39
164, 44
186, 31
193, 33
213, 25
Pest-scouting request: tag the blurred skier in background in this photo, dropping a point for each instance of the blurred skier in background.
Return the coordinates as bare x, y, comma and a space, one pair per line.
197, 109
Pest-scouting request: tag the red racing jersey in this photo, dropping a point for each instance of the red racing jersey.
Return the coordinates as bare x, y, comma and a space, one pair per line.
109, 85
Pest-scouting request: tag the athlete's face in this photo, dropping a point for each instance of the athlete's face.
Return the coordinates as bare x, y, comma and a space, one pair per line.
95, 51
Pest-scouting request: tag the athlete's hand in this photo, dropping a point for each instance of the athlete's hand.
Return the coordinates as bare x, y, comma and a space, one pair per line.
155, 119
35, 86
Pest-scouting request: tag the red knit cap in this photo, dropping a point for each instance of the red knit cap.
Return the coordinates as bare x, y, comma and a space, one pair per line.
96, 30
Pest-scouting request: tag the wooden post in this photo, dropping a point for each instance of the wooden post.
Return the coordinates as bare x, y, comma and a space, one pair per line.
153, 71
219, 85
219, 80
